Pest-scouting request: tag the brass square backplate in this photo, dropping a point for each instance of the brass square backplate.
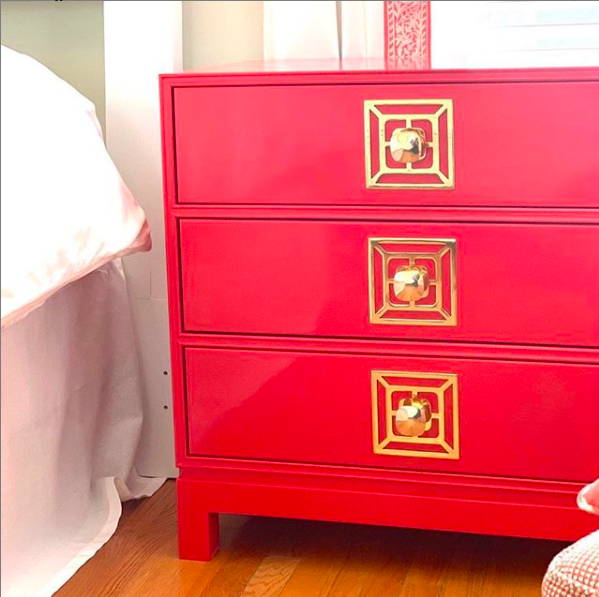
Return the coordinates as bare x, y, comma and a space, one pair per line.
440, 390
383, 118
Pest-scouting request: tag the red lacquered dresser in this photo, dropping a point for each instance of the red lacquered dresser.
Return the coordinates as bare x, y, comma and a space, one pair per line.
384, 297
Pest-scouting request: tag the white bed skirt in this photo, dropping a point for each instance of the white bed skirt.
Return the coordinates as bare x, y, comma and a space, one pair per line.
71, 422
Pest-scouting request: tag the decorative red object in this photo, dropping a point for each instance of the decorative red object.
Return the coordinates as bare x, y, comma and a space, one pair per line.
304, 384
408, 34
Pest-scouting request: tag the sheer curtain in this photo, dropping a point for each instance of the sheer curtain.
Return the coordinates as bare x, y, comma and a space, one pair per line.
441, 33
327, 29
300, 29
514, 34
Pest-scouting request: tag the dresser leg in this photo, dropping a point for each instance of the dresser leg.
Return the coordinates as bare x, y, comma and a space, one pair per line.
198, 529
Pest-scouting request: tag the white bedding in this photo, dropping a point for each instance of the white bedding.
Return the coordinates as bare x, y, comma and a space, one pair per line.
71, 387
71, 421
65, 209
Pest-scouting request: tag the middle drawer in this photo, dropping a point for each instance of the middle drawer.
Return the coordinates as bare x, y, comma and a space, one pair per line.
519, 283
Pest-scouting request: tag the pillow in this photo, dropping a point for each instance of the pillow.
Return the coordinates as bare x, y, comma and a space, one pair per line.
65, 208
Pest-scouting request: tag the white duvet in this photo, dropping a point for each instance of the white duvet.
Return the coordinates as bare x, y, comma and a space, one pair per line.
65, 208
71, 408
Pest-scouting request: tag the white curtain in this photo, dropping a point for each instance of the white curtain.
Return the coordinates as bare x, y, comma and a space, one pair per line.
362, 26
300, 30
327, 29
483, 34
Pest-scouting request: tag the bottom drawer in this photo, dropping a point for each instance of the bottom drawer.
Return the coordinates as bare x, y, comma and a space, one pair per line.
491, 417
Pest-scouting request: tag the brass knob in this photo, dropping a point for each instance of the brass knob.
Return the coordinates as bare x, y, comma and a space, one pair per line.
407, 145
411, 283
413, 417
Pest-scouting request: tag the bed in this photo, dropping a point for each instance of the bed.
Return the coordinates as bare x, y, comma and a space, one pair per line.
71, 387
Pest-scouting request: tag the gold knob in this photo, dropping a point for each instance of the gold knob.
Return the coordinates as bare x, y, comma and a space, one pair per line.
407, 145
411, 283
413, 417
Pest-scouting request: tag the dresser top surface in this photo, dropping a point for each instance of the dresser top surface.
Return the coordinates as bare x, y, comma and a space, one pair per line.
367, 69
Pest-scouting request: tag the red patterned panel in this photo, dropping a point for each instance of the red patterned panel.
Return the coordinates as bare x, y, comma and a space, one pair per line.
407, 34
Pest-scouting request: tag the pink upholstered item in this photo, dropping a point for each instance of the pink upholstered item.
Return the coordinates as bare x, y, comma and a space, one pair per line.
574, 572
588, 498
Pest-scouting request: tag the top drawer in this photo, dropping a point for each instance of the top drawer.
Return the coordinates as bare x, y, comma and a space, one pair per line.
493, 144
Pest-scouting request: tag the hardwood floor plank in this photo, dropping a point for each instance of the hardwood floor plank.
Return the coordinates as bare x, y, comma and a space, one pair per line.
403, 546
271, 577
323, 553
430, 560
369, 555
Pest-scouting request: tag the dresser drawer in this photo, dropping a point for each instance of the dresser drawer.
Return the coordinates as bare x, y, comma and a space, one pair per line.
516, 144
476, 282
487, 417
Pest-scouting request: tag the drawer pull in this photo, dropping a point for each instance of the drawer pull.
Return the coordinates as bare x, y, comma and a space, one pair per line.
411, 283
407, 145
415, 414
413, 417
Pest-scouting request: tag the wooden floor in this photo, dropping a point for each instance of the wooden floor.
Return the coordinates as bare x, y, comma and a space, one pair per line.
291, 558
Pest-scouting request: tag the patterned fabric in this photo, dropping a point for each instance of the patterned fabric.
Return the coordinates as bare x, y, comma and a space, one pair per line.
407, 34
574, 572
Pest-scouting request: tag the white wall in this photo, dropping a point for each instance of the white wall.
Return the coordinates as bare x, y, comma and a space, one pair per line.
67, 37
142, 40
221, 32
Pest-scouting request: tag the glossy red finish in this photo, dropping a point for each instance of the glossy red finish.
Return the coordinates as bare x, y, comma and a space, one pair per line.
305, 501
307, 407
304, 144
507, 295
267, 220
361, 70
